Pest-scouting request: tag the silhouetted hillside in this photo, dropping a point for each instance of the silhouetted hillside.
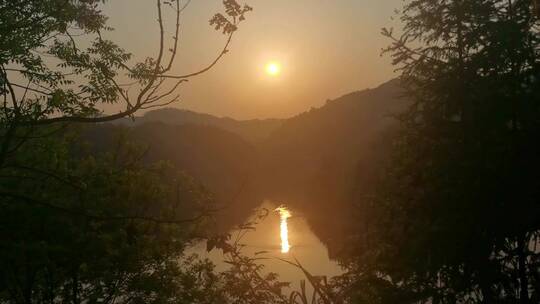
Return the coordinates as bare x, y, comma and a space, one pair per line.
316, 158
254, 130
320, 161
220, 160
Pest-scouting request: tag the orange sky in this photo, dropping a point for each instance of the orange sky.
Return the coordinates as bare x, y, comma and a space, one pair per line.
326, 49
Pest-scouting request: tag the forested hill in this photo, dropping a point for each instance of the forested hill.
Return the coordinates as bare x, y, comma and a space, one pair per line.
255, 130
223, 162
311, 160
320, 158
329, 141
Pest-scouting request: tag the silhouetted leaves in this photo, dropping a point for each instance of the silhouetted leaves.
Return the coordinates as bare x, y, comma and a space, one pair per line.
456, 215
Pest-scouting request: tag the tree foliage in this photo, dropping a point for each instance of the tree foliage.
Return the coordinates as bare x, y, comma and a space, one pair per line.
79, 226
56, 61
457, 218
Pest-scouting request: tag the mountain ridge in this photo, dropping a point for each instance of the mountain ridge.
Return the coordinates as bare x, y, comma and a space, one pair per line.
253, 130
319, 161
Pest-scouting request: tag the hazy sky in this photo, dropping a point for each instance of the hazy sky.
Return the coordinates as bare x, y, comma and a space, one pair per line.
326, 49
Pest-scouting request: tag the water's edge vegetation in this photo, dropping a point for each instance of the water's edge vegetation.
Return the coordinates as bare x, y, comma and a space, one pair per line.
424, 189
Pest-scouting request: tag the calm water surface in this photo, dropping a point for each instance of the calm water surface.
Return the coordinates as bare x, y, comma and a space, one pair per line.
304, 246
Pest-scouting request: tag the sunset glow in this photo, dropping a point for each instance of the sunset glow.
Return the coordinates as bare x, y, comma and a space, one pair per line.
273, 68
284, 214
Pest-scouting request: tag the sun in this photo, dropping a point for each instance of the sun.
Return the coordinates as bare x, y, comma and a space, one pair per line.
273, 68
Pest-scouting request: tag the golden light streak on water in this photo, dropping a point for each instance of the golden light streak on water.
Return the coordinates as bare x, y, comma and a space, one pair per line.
284, 214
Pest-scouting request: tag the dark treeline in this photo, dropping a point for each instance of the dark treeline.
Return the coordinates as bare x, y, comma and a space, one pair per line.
427, 188
82, 224
456, 217
221, 161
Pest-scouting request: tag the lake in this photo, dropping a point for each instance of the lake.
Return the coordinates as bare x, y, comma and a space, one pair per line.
304, 246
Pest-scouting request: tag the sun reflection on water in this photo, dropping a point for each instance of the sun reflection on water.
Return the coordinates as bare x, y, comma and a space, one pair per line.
284, 214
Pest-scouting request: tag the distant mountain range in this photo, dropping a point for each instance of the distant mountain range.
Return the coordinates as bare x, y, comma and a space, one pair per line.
255, 130
322, 161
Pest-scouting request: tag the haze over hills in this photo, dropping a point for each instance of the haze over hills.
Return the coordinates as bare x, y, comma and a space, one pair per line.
310, 161
255, 130
223, 162
318, 159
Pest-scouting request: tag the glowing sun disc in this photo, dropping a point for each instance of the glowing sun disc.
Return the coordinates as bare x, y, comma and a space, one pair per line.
273, 68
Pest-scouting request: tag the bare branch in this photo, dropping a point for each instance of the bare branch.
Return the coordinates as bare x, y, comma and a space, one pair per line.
169, 92
27, 88
211, 65
175, 99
